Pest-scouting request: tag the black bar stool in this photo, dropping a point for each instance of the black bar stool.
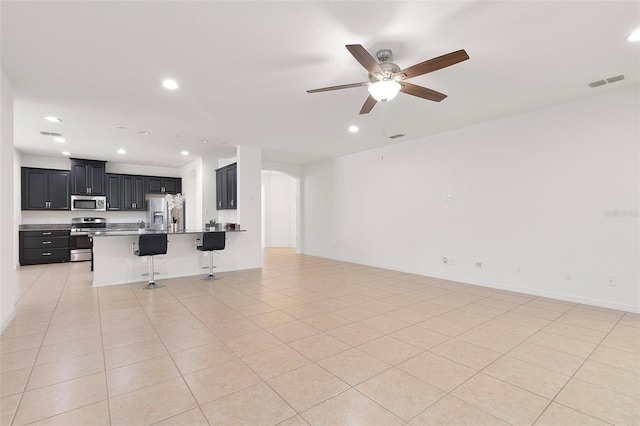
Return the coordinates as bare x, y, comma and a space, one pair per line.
151, 245
212, 241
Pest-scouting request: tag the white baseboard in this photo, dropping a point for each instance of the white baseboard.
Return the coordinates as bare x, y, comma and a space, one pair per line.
7, 321
498, 286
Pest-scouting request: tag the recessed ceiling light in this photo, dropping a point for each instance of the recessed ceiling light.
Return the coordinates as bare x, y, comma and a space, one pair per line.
353, 129
170, 84
204, 141
53, 119
65, 153
120, 127
154, 162
59, 139
121, 151
634, 36
143, 132
184, 152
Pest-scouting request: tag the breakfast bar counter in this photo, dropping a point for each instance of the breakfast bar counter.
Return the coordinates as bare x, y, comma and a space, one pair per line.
115, 263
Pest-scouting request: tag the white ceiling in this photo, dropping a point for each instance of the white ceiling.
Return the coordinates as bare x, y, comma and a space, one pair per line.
244, 68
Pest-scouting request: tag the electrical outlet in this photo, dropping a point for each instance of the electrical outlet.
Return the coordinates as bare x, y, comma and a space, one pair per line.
448, 261
445, 260
568, 276
478, 264
611, 281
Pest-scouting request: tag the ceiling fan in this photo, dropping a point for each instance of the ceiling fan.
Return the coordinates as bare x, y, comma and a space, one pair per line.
386, 79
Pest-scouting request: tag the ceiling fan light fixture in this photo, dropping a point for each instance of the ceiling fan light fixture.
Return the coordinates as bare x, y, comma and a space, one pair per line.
170, 84
384, 90
634, 36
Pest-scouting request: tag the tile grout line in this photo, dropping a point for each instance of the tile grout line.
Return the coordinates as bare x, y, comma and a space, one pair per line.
573, 376
17, 408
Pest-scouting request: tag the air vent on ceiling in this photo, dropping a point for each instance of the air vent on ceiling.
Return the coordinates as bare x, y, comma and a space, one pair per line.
616, 78
396, 136
608, 80
50, 134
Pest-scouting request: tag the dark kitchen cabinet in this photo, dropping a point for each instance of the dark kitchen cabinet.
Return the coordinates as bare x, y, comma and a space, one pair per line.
114, 196
227, 187
87, 177
44, 189
163, 185
45, 246
132, 192
125, 192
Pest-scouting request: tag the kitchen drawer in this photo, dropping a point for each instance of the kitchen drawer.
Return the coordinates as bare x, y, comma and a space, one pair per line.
44, 246
46, 233
46, 255
46, 242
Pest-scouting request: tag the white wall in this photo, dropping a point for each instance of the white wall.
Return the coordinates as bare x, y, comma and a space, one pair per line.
199, 188
64, 163
533, 197
209, 166
248, 213
280, 209
295, 171
191, 189
8, 236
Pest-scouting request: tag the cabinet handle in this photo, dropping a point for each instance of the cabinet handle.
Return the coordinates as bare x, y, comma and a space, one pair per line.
108, 205
46, 254
46, 233
231, 203
46, 242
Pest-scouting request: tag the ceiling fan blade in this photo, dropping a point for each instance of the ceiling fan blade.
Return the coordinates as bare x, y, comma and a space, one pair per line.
365, 59
342, 86
421, 92
435, 64
368, 105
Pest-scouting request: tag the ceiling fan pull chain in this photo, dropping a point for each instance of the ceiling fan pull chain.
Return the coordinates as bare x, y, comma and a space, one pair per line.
383, 135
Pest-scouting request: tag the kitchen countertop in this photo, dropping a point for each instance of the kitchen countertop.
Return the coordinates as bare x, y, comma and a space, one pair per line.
121, 232
45, 227
114, 229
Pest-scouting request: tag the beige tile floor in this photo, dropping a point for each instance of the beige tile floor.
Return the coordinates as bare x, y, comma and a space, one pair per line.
312, 341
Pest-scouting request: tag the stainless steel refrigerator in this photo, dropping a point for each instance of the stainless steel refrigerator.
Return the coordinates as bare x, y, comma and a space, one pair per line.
158, 215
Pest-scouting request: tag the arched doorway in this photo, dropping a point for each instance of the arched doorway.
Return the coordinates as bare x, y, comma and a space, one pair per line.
280, 210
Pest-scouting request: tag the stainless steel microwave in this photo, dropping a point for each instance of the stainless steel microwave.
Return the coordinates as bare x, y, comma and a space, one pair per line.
96, 203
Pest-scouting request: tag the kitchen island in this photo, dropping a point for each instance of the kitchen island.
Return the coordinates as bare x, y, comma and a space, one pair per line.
115, 263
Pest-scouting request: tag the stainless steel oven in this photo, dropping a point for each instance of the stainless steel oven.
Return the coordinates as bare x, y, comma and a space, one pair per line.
80, 241
80, 246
